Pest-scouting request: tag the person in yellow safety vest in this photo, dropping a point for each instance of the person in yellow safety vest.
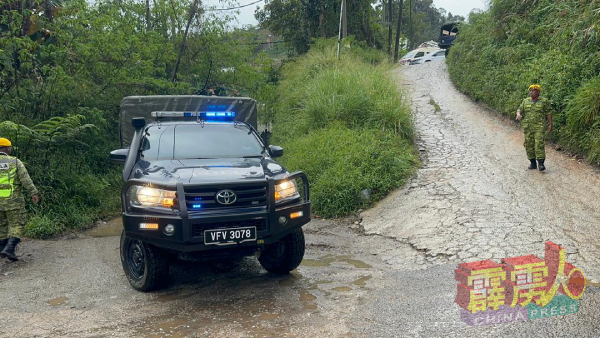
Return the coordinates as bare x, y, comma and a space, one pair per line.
13, 179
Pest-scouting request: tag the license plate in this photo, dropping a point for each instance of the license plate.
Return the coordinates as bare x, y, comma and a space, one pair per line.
229, 236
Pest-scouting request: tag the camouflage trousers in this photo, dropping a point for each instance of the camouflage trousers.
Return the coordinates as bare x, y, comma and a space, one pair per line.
535, 141
12, 222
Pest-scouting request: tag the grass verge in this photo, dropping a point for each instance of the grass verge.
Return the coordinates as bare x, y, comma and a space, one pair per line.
346, 125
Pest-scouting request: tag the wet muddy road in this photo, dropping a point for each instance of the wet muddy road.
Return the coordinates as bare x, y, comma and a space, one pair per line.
76, 287
389, 275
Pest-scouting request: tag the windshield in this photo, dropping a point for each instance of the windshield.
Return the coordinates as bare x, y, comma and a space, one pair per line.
183, 141
408, 55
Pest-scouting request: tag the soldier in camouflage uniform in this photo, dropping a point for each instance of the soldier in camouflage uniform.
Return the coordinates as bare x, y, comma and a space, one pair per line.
535, 111
13, 179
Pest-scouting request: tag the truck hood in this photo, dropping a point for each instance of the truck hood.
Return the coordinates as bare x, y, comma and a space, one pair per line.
197, 171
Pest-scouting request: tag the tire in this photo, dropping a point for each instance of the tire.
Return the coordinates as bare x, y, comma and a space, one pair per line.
285, 255
146, 266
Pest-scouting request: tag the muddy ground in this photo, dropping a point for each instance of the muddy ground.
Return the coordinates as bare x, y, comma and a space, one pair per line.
388, 272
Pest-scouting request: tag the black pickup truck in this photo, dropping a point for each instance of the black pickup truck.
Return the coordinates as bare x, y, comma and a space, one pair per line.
201, 184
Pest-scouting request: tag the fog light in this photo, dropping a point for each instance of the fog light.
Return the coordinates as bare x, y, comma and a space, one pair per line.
169, 229
282, 220
148, 226
296, 214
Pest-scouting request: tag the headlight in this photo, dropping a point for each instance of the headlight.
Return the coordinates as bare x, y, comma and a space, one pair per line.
286, 190
140, 196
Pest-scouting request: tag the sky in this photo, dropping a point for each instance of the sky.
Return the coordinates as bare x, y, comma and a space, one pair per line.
456, 7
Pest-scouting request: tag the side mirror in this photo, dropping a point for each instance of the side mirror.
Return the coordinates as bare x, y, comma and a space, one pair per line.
276, 151
118, 156
138, 122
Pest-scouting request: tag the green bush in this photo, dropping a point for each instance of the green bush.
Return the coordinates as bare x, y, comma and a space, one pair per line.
341, 162
345, 123
516, 43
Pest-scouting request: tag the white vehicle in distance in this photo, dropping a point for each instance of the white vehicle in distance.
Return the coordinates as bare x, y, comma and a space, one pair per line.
439, 55
416, 54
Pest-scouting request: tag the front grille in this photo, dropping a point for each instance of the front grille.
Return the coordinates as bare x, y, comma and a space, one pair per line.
203, 198
198, 229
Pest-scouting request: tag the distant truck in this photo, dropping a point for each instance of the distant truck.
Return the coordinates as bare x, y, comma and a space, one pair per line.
448, 34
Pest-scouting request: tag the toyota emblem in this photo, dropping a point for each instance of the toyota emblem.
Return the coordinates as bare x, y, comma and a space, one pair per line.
226, 197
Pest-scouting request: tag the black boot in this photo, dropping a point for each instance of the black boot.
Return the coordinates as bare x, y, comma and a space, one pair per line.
541, 165
3, 243
532, 165
9, 249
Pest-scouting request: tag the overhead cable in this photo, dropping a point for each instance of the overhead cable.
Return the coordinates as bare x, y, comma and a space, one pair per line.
232, 8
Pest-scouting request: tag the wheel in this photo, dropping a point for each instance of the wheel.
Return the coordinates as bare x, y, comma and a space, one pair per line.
146, 266
285, 255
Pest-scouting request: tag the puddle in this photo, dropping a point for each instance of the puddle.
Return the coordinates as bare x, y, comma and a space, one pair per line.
307, 298
362, 281
309, 306
357, 264
58, 301
327, 260
323, 282
112, 228
322, 262
268, 316
342, 289
172, 324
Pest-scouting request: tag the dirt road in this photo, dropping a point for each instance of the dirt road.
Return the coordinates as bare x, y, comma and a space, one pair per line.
387, 273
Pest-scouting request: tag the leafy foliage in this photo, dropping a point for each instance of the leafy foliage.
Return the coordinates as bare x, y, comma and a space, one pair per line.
345, 124
64, 68
517, 43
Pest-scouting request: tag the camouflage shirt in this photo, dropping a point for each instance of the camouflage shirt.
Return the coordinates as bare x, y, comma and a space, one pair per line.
535, 112
13, 179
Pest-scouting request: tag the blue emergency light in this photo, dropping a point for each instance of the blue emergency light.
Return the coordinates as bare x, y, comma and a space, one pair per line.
201, 115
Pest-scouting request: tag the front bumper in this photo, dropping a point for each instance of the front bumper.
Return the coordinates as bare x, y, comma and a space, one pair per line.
188, 237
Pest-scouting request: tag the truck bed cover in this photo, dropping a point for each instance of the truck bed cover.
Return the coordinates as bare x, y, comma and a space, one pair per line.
143, 106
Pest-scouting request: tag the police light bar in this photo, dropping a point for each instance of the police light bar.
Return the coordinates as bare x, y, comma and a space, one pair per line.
198, 114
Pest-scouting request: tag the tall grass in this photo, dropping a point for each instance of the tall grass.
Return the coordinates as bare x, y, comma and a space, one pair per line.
582, 129
346, 125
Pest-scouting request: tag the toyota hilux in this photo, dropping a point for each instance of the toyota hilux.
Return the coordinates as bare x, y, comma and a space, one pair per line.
201, 184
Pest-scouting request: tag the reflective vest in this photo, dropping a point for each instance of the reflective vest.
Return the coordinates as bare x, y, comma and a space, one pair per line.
8, 172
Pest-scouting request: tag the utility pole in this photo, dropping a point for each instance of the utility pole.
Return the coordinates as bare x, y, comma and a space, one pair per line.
410, 23
390, 27
340, 31
148, 24
398, 32
344, 20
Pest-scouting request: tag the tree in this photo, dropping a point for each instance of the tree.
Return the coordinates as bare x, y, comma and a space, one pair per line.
398, 31
298, 21
63, 73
